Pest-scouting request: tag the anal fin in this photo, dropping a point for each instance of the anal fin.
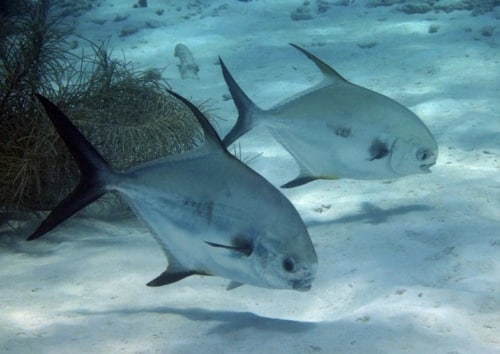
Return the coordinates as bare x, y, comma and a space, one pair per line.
299, 181
233, 285
175, 271
169, 277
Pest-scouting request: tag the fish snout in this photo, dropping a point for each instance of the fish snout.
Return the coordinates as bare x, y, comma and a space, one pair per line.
302, 285
303, 288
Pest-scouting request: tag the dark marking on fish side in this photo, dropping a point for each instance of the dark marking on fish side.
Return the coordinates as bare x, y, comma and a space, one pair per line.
343, 132
339, 130
378, 150
202, 209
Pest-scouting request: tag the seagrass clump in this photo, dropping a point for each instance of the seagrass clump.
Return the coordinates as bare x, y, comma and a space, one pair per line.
133, 121
126, 114
130, 123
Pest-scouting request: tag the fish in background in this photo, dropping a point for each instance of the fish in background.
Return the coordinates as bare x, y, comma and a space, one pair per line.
337, 129
210, 213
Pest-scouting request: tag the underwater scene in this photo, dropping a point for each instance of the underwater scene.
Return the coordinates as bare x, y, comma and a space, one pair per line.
250, 176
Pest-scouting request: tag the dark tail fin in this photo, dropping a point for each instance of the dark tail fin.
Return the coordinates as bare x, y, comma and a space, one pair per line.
92, 166
246, 108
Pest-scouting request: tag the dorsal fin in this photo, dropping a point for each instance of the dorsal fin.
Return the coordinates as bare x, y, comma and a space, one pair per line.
212, 139
329, 73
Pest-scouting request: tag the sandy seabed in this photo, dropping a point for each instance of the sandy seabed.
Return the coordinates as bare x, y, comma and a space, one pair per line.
406, 266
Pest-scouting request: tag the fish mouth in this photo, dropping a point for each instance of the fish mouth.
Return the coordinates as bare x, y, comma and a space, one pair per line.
304, 288
426, 168
302, 285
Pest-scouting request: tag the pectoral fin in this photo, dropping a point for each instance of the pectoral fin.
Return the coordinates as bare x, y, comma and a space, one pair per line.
244, 248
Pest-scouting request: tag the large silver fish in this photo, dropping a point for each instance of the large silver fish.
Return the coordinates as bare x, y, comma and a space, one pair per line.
340, 130
210, 213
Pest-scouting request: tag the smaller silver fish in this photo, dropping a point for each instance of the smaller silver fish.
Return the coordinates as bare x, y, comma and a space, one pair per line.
339, 130
210, 213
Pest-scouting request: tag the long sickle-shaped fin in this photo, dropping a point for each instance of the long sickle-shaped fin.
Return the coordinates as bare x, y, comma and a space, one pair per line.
211, 136
92, 166
329, 73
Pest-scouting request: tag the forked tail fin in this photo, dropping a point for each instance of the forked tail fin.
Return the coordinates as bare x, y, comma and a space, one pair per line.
94, 170
246, 108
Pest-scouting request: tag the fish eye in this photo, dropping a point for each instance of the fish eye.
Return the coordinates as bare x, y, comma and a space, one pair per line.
288, 264
423, 154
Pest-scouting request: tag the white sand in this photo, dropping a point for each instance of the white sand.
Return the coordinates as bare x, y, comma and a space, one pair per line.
406, 266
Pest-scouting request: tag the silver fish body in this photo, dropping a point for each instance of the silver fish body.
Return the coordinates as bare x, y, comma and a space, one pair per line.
340, 130
210, 213
220, 203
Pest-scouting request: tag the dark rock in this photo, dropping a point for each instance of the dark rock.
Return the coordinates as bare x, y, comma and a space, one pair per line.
414, 8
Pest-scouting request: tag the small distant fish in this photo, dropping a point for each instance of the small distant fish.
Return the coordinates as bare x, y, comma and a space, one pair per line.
211, 214
339, 130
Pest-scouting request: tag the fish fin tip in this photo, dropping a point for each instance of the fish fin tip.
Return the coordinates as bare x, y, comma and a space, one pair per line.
82, 196
89, 160
233, 285
211, 137
299, 181
330, 73
221, 62
169, 277
175, 271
